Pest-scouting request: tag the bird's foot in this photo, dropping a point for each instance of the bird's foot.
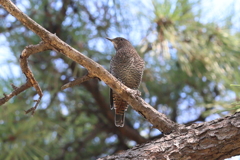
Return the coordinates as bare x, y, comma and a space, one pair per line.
138, 93
135, 92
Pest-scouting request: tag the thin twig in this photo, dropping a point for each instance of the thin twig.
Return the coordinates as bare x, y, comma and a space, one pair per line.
77, 81
14, 93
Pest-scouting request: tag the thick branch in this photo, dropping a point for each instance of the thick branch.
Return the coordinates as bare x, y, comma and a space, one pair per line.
159, 120
218, 139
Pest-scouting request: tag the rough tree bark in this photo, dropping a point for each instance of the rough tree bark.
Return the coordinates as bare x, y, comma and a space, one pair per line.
217, 139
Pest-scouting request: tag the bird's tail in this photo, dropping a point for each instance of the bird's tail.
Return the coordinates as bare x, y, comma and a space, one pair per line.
119, 119
120, 107
120, 113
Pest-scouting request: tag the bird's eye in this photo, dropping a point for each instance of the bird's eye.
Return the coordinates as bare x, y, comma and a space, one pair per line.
121, 39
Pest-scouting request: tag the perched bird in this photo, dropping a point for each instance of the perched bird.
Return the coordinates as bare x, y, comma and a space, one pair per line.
127, 66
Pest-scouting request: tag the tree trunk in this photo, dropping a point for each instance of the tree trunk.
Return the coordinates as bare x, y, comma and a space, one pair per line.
218, 139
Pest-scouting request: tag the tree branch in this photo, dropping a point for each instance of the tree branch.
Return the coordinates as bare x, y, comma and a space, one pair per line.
31, 82
29, 50
159, 120
16, 91
77, 81
217, 139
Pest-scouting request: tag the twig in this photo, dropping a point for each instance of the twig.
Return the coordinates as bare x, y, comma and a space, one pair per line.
77, 81
15, 92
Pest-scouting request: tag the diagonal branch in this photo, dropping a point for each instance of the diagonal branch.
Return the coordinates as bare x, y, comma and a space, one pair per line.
16, 91
159, 120
77, 81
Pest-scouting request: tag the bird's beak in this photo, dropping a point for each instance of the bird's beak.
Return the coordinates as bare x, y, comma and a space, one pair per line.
109, 39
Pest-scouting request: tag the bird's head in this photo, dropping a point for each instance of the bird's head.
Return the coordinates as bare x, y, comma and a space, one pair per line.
119, 42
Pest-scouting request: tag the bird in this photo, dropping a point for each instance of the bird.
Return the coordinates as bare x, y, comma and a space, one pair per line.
127, 66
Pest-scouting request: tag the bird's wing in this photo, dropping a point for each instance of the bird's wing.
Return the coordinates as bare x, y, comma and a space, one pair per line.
111, 99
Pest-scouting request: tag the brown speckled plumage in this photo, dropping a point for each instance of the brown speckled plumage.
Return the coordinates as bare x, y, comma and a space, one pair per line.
127, 66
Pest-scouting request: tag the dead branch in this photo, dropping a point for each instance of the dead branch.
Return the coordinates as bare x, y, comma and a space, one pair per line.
31, 82
16, 91
29, 50
77, 81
